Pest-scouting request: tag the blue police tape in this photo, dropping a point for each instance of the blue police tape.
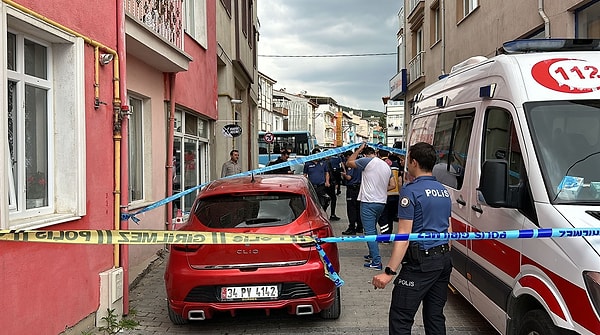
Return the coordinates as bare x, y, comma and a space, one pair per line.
487, 235
299, 160
479, 235
330, 271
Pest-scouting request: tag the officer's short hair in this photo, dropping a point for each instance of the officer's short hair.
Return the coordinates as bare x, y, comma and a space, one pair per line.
424, 153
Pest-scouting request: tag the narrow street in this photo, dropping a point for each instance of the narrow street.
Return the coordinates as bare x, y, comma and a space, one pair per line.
364, 310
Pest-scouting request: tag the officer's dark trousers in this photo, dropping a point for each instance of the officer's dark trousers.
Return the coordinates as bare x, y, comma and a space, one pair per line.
322, 194
389, 215
427, 282
331, 193
353, 208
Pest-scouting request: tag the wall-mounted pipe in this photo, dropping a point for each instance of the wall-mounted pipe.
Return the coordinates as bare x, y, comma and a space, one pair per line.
545, 18
443, 33
170, 79
124, 152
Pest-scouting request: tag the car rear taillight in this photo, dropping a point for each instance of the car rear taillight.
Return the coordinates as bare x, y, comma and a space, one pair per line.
321, 232
186, 247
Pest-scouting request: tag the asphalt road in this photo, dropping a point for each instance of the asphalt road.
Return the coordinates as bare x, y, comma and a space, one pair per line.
364, 310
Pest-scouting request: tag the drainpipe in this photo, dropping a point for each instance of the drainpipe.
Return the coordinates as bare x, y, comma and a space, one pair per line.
170, 81
443, 33
251, 132
124, 150
545, 18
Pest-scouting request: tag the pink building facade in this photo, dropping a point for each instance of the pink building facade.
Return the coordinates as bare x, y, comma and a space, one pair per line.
102, 102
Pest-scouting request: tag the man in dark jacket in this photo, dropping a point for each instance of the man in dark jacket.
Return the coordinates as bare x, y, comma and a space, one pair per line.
285, 154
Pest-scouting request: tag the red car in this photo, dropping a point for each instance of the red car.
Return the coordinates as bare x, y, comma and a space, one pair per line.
204, 279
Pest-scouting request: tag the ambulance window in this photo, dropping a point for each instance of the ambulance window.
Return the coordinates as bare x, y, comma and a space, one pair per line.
501, 142
451, 142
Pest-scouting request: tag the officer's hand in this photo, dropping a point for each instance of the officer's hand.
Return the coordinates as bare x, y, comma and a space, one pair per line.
381, 280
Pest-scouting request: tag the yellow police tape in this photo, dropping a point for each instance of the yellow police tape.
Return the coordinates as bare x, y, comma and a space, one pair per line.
146, 237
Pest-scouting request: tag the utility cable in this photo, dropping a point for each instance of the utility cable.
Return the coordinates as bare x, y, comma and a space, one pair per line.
331, 56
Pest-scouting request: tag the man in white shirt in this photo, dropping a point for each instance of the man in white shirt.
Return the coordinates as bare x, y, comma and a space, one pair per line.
377, 179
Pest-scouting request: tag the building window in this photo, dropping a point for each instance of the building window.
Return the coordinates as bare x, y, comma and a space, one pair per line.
436, 24
28, 112
136, 150
46, 183
588, 21
415, 65
465, 7
195, 21
190, 156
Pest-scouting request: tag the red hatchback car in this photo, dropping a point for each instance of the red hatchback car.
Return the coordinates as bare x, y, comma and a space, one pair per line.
204, 279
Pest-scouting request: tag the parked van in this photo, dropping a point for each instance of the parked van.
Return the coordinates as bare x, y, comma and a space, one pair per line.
518, 137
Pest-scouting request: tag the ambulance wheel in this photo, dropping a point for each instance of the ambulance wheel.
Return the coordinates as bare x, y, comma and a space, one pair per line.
537, 322
175, 318
335, 310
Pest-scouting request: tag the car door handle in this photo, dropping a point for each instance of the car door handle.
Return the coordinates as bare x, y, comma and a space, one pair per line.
477, 209
461, 202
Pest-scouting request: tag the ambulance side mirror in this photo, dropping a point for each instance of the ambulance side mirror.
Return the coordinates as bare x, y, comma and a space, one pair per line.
493, 185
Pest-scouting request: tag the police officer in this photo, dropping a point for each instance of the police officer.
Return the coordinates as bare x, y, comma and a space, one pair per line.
426, 265
317, 173
352, 177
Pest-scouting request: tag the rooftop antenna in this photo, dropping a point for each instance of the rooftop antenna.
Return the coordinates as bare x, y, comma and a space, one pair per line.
252, 180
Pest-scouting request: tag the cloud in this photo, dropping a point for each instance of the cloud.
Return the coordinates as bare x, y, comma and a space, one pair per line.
330, 27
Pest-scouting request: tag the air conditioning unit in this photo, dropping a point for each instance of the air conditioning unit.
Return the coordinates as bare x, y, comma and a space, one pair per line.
111, 295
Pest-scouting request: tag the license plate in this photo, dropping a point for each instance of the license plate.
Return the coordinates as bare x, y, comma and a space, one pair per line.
249, 292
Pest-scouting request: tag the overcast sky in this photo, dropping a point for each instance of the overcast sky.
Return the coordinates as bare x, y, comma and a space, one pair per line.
330, 27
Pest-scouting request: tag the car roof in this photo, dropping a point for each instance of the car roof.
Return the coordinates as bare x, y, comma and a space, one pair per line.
264, 183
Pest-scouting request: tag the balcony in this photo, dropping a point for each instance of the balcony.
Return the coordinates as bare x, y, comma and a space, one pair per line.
415, 67
162, 17
416, 13
155, 33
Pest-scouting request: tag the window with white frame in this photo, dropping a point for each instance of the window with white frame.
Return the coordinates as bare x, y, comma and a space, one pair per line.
190, 156
465, 7
195, 21
436, 23
136, 150
46, 182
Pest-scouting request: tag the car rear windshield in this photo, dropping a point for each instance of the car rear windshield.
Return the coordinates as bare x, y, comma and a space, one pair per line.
264, 210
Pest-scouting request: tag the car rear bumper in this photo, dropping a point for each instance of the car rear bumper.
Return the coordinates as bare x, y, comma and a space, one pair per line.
193, 293
202, 311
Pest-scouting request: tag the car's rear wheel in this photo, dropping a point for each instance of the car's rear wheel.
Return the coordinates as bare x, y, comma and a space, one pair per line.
334, 311
176, 319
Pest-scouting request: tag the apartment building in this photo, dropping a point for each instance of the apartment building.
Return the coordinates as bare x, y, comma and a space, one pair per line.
237, 72
435, 35
269, 117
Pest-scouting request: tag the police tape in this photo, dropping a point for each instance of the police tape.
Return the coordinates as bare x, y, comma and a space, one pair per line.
296, 161
299, 160
147, 237
196, 237
99, 237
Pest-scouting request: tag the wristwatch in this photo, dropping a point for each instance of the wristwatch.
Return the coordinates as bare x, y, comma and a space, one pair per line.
388, 271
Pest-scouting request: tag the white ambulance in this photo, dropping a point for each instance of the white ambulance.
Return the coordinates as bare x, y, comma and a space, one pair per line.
518, 137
